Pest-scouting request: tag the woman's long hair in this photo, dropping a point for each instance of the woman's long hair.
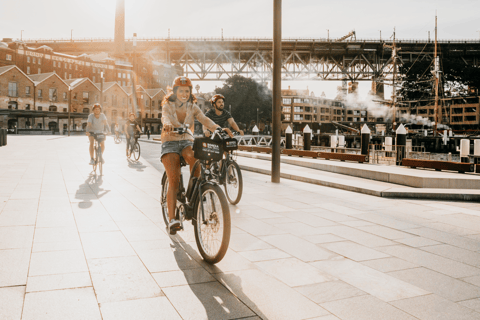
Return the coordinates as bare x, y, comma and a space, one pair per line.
172, 96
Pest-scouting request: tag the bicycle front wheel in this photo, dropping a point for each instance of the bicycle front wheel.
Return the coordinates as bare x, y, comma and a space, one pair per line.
163, 199
212, 229
136, 151
233, 182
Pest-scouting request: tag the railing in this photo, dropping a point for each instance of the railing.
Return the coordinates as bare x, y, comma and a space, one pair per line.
332, 40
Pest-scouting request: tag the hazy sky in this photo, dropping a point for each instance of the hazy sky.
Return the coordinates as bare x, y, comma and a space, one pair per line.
243, 18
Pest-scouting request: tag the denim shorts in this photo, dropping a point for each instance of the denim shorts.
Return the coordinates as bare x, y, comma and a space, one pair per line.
175, 146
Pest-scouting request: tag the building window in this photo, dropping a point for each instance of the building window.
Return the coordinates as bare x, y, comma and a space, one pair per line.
86, 110
52, 108
52, 94
119, 75
39, 108
298, 117
70, 66
27, 107
298, 109
39, 93
27, 90
85, 98
287, 101
34, 60
64, 96
287, 109
8, 57
93, 70
65, 77
28, 59
39, 70
66, 65
12, 89
70, 76
153, 103
39, 61
54, 63
74, 96
64, 109
146, 103
13, 105
287, 117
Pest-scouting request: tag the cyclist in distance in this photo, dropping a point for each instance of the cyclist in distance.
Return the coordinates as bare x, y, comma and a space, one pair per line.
179, 109
131, 127
96, 123
220, 116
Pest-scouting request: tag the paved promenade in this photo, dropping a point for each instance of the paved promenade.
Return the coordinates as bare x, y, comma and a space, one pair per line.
76, 246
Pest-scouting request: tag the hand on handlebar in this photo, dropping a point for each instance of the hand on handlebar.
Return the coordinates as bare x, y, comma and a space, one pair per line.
228, 131
168, 128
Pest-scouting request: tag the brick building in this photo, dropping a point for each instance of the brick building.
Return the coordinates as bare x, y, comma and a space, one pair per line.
116, 103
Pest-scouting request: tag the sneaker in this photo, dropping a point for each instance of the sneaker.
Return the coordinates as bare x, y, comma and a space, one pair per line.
92, 162
173, 226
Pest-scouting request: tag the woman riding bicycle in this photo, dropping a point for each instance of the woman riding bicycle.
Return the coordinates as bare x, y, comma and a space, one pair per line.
179, 109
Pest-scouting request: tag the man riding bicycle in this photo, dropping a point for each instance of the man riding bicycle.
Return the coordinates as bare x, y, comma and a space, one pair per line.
96, 123
179, 109
131, 128
220, 116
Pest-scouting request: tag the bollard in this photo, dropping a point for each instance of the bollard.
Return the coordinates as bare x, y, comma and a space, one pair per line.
288, 138
476, 150
401, 143
333, 143
365, 139
1, 137
5, 133
464, 150
255, 131
307, 138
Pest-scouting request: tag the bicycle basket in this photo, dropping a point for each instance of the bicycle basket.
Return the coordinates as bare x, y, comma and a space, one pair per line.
137, 135
207, 149
230, 144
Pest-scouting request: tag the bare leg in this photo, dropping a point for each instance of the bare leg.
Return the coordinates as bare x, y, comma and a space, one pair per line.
187, 154
91, 146
102, 145
171, 162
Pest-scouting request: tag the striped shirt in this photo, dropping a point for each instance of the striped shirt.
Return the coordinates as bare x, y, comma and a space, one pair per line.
221, 120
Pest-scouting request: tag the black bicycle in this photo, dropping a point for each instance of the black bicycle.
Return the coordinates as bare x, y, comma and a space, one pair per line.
134, 147
117, 137
203, 202
227, 172
97, 149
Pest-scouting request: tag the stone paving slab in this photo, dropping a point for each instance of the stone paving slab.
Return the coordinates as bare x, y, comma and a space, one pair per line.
74, 245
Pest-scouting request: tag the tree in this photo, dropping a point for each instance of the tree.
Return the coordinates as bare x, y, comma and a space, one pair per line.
245, 95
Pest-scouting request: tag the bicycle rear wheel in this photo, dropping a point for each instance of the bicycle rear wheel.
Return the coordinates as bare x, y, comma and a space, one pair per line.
233, 182
163, 199
94, 160
100, 160
212, 234
136, 151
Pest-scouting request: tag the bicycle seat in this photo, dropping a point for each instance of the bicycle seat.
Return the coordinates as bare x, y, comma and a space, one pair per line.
183, 163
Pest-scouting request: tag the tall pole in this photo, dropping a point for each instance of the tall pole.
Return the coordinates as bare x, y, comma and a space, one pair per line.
394, 96
21, 35
436, 73
101, 87
69, 109
277, 89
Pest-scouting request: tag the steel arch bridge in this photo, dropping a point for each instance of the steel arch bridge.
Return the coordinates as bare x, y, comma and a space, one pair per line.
303, 59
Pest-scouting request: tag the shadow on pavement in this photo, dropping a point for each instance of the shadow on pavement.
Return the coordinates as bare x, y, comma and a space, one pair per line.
90, 190
137, 165
218, 305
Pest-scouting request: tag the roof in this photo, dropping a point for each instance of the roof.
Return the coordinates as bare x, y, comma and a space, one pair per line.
39, 78
108, 85
153, 92
8, 68
78, 81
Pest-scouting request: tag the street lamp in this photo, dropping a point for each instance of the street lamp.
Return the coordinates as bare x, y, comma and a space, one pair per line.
257, 117
328, 34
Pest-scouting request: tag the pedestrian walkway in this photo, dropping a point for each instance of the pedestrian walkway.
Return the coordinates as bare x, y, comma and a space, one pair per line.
78, 246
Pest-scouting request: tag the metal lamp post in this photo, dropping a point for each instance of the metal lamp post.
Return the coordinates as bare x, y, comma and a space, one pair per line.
277, 89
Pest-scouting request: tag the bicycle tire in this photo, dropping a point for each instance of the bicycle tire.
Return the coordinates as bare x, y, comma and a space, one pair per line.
95, 160
100, 160
136, 151
211, 254
233, 181
163, 199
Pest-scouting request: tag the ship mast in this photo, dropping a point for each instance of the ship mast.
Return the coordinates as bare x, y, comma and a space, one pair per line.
394, 91
436, 75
